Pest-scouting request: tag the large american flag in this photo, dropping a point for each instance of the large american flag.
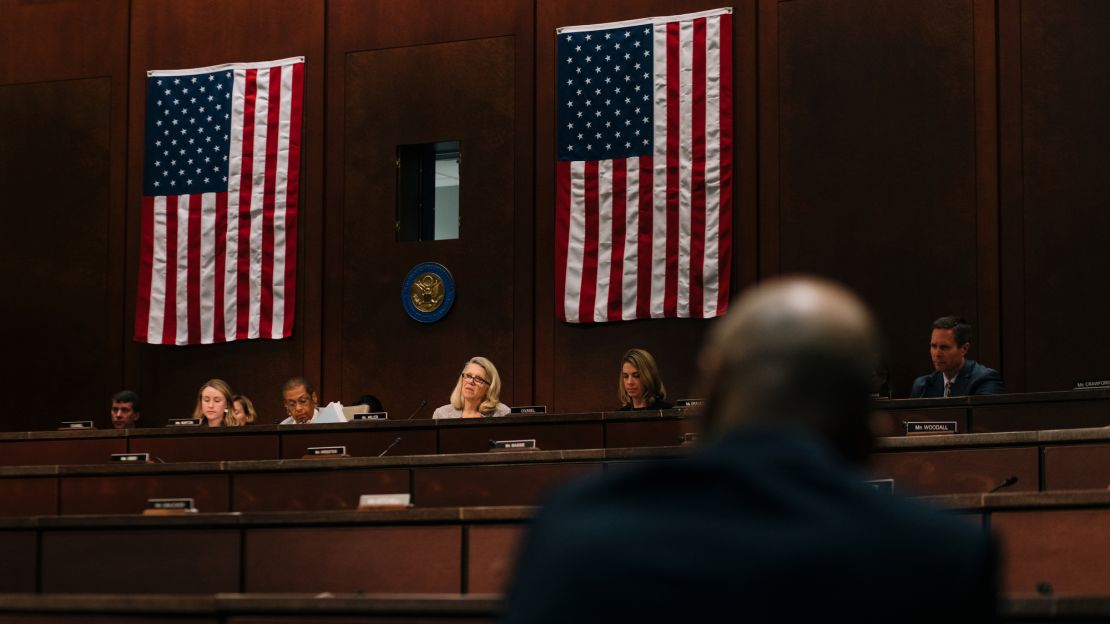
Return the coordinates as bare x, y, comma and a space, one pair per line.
644, 171
218, 258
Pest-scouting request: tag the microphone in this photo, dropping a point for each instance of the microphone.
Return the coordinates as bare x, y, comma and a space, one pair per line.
390, 447
492, 443
418, 408
1005, 484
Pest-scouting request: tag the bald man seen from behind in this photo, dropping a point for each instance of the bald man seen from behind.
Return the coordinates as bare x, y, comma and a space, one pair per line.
770, 519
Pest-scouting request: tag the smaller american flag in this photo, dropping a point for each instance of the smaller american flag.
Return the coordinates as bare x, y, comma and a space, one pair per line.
221, 170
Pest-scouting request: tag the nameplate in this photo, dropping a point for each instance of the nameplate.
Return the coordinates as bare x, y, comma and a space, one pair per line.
372, 416
169, 506
885, 486
326, 451
185, 422
685, 403
131, 458
76, 424
1092, 385
384, 501
688, 438
513, 445
930, 428
528, 409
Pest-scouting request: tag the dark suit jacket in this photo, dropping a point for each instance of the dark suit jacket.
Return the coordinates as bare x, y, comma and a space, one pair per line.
973, 378
763, 525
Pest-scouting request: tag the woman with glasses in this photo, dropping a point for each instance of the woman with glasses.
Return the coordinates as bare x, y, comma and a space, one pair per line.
477, 393
640, 387
214, 404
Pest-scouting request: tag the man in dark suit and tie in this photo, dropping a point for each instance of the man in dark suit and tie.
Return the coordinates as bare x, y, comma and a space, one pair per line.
955, 374
770, 520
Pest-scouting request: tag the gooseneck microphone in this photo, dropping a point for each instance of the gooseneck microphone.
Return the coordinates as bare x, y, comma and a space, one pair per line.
390, 447
1012, 479
418, 408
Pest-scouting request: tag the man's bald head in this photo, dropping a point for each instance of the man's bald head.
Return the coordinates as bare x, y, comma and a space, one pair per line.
797, 352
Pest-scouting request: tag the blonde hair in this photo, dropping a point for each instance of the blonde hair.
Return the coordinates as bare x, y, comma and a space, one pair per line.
650, 381
493, 391
248, 411
224, 389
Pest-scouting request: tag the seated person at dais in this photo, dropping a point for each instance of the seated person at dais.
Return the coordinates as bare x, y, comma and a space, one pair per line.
640, 387
955, 374
214, 404
477, 393
299, 397
242, 410
125, 409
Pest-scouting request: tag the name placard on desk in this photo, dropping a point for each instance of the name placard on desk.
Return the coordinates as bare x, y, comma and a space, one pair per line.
931, 428
131, 458
185, 422
169, 506
372, 416
76, 424
886, 486
1093, 384
686, 403
326, 451
512, 445
528, 409
688, 438
384, 501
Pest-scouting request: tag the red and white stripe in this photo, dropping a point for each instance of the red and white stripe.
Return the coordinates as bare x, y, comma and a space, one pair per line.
651, 236
216, 267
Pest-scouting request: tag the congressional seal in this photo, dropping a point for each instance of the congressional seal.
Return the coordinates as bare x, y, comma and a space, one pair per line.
428, 292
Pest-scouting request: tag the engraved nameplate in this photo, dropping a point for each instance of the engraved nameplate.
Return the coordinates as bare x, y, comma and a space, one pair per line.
325, 451
384, 501
77, 424
176, 504
930, 428
528, 409
185, 422
689, 438
131, 458
372, 416
1092, 385
514, 444
685, 403
886, 486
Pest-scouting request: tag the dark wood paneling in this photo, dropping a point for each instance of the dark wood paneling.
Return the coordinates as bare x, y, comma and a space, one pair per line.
881, 155
59, 263
386, 560
893, 422
208, 447
362, 443
29, 497
960, 471
577, 366
1077, 467
198, 33
94, 618
492, 485
626, 434
120, 494
314, 490
492, 554
1066, 549
548, 436
1034, 416
155, 561
19, 552
49, 452
1065, 132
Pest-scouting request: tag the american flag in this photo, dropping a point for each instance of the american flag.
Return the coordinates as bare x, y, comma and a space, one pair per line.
644, 172
218, 258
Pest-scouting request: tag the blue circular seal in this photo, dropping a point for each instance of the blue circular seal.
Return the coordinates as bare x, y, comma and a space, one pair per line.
428, 292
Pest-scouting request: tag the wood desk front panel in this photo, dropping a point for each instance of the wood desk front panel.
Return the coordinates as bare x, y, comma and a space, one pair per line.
73, 451
548, 436
362, 443
208, 447
1079, 467
506, 484
18, 561
128, 494
961, 471
493, 550
29, 496
637, 433
317, 490
1037, 416
1069, 549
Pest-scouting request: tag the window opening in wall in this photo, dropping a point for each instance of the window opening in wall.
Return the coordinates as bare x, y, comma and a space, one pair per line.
428, 191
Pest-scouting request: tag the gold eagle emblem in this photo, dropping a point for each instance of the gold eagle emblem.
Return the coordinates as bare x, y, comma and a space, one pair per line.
427, 292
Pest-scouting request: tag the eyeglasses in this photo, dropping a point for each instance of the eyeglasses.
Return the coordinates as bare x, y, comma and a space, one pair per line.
475, 379
303, 402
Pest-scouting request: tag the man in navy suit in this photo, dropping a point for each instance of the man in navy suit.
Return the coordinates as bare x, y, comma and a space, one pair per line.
770, 520
955, 374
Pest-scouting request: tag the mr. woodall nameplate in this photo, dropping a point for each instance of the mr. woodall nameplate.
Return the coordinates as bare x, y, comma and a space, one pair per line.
931, 428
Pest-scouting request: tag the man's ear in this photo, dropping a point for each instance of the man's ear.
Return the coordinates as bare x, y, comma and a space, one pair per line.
964, 347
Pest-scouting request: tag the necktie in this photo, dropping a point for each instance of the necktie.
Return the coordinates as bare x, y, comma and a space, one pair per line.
947, 389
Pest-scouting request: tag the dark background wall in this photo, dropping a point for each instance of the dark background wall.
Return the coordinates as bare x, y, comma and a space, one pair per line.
941, 156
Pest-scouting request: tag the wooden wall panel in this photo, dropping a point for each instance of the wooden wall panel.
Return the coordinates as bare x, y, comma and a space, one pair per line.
1064, 133
577, 366
198, 33
455, 71
878, 162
